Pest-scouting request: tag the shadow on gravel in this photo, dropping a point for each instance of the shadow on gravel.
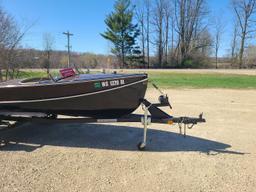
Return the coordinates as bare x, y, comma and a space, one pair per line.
31, 136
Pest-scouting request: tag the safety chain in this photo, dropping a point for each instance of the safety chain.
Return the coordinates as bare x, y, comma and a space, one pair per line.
185, 126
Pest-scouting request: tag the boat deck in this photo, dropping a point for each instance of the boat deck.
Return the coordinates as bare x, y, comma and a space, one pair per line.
9, 83
77, 78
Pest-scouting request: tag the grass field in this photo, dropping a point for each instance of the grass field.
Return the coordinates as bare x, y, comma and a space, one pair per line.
169, 79
197, 80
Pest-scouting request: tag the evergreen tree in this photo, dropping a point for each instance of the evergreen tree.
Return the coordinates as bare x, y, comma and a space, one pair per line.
121, 32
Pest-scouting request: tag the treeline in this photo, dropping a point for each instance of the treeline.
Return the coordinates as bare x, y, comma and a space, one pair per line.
31, 58
180, 33
185, 33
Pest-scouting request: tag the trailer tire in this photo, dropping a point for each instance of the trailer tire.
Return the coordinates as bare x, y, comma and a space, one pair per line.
141, 146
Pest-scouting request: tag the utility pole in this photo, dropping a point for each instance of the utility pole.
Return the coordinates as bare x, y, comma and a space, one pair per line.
68, 46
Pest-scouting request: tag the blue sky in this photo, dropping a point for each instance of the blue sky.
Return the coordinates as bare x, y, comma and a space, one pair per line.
84, 18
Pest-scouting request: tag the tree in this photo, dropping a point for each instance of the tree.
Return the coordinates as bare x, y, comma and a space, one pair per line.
162, 13
121, 32
218, 30
48, 42
244, 11
250, 56
147, 4
10, 37
158, 22
189, 16
9, 34
140, 15
234, 44
167, 18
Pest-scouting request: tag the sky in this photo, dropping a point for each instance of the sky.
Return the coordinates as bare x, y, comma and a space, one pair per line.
85, 19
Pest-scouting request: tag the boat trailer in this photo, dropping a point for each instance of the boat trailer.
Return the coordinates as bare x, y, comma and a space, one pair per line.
152, 114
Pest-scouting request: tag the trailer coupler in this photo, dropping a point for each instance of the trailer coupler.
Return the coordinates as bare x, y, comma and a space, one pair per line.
187, 123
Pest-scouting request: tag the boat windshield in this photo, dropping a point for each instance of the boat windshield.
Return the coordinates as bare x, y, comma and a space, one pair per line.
42, 80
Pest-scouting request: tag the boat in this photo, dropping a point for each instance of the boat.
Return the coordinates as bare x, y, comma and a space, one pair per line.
98, 98
93, 95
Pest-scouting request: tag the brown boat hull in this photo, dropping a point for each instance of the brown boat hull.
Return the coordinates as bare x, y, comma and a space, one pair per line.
83, 98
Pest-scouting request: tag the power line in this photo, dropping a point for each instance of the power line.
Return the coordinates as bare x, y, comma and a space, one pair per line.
68, 46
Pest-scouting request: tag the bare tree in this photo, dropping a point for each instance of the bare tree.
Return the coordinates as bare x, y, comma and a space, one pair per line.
10, 37
218, 31
158, 22
189, 16
167, 19
148, 4
8, 40
172, 36
48, 42
234, 44
244, 11
203, 45
140, 15
250, 56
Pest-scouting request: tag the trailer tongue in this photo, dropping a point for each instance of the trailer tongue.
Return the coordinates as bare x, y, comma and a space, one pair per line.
152, 114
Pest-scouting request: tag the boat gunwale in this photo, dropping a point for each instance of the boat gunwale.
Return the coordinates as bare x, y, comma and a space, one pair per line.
73, 81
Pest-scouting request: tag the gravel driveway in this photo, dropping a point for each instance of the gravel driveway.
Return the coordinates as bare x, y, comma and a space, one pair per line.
219, 155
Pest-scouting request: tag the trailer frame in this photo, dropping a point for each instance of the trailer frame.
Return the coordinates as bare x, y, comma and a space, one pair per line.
151, 114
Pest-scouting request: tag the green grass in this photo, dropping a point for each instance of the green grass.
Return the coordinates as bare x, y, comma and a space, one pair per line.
183, 80
30, 74
188, 80
34, 73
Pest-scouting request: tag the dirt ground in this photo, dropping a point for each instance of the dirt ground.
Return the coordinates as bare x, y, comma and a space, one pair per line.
219, 155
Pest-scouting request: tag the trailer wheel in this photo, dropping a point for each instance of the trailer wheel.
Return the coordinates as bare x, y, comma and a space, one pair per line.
141, 146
